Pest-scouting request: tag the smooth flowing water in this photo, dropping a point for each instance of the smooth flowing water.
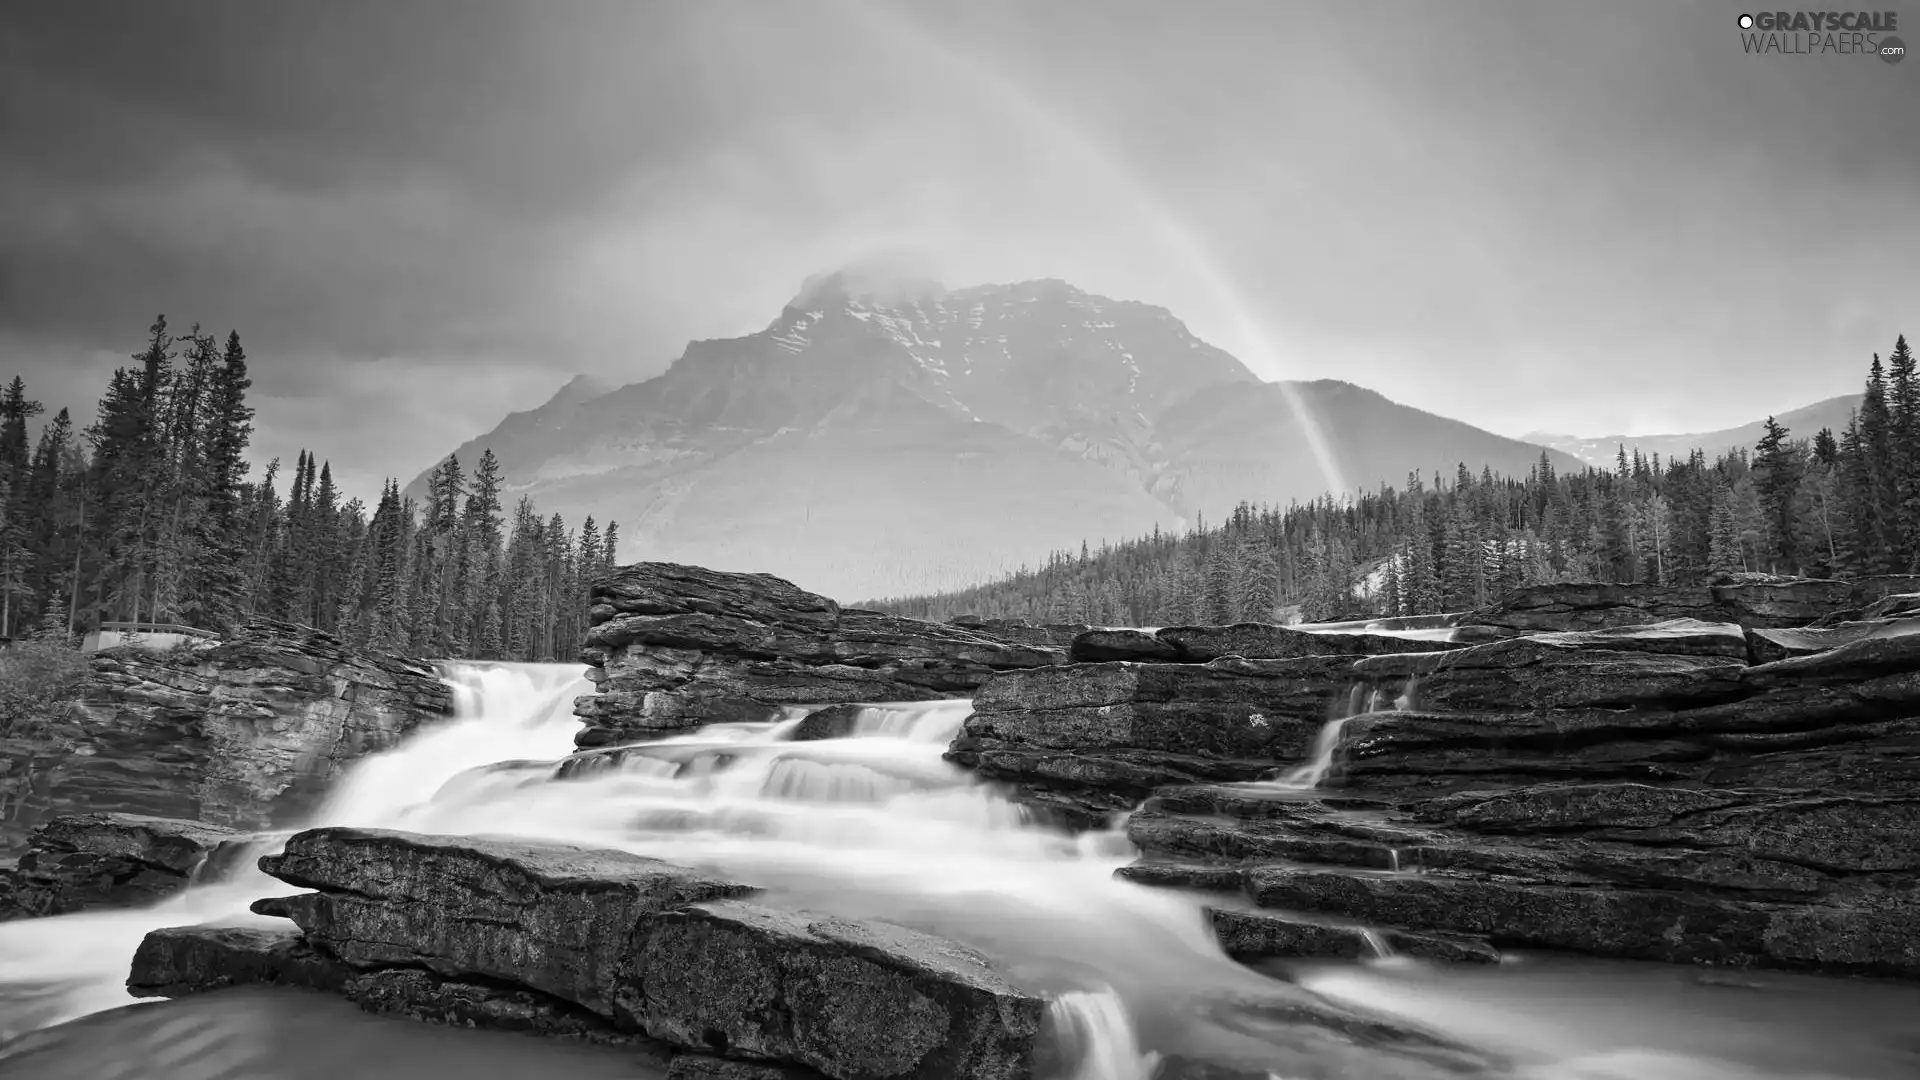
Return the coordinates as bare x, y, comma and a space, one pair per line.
874, 823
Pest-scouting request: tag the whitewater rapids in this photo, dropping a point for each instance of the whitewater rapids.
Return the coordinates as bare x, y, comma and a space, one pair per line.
876, 823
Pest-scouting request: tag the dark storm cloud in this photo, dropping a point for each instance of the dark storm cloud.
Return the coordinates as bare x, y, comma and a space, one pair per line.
423, 215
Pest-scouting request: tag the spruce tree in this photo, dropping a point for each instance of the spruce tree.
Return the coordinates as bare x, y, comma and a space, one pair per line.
1778, 470
1903, 457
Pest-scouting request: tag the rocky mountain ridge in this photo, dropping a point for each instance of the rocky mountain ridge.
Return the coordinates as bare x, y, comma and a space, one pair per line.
953, 423
1803, 423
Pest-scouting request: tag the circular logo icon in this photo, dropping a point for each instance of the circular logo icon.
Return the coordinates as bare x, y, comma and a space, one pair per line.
1892, 49
1746, 22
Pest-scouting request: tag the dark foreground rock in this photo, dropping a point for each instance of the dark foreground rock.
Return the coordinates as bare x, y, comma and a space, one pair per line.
674, 647
246, 733
602, 945
81, 862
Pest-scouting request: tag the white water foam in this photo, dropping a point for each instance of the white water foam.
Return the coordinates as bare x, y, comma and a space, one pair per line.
872, 824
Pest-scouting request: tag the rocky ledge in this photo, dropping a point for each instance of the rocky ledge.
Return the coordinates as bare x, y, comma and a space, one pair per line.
244, 733
1724, 792
697, 976
673, 647
612, 947
80, 862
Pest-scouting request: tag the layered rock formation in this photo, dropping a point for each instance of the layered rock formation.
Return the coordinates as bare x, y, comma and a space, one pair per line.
85, 861
673, 647
1751, 600
1733, 792
570, 941
244, 734
1721, 774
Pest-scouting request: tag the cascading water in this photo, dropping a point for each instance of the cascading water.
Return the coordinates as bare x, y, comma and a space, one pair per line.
873, 823
1361, 700
58, 968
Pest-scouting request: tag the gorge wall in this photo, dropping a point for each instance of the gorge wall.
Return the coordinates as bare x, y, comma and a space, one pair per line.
244, 734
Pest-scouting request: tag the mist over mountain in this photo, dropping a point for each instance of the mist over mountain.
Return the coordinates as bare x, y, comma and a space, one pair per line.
1802, 423
882, 436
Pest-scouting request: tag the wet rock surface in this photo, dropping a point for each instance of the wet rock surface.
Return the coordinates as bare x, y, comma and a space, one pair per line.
673, 647
1694, 775
609, 947
80, 862
245, 733
1100, 737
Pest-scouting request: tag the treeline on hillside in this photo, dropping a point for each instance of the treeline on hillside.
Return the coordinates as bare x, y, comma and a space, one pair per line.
1821, 506
148, 516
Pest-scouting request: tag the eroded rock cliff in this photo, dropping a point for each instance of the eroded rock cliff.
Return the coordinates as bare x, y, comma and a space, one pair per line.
1728, 791
244, 734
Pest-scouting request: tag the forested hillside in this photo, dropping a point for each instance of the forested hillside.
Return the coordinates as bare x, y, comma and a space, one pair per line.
149, 515
1816, 504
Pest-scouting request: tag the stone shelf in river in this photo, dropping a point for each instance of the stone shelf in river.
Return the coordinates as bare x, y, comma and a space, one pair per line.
673, 647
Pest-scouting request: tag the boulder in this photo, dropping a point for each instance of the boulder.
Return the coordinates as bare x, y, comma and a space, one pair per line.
561, 940
742, 979
553, 918
184, 960
832, 722
678, 646
79, 862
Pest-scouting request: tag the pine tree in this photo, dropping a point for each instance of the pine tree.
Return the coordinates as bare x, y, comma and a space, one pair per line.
1723, 555
1778, 470
1903, 458
1259, 580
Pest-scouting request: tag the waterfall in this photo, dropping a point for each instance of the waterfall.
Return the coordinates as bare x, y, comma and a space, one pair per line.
1098, 1035
874, 823
1360, 700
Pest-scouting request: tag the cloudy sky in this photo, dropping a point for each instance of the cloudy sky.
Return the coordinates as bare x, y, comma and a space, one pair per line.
420, 216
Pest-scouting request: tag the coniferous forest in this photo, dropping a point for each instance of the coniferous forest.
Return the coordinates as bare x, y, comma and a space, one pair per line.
1813, 503
150, 515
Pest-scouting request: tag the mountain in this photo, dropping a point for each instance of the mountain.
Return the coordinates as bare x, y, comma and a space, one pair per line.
1803, 423
877, 441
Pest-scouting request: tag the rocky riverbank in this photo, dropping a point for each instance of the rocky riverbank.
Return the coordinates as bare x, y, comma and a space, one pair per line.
243, 734
1615, 778
1597, 769
1721, 774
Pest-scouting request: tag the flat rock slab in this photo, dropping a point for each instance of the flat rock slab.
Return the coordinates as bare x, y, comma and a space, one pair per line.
748, 980
183, 960
551, 917
1540, 672
1266, 641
